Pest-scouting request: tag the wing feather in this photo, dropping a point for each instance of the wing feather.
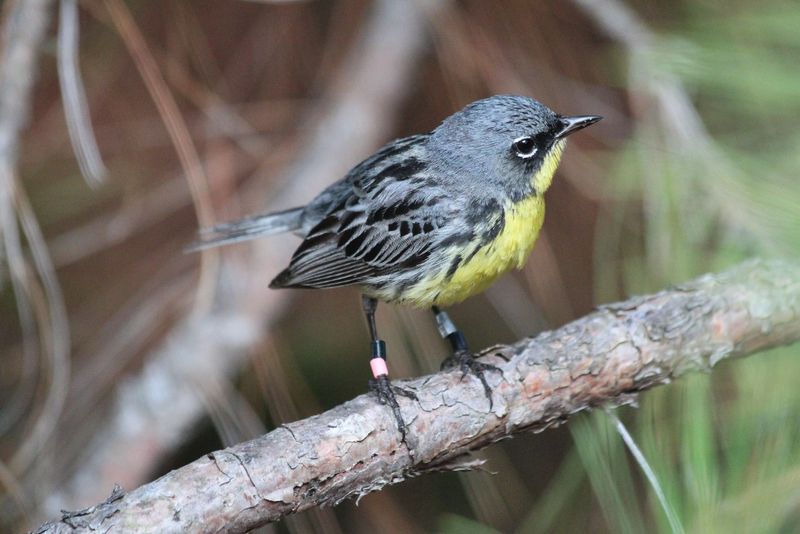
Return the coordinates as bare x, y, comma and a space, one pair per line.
369, 237
385, 216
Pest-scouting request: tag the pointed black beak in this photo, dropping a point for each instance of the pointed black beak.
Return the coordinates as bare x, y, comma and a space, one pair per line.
573, 124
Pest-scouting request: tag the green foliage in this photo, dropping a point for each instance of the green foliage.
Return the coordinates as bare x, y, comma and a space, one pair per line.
554, 507
606, 463
725, 447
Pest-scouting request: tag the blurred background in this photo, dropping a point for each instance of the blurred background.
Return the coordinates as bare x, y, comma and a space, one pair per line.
123, 357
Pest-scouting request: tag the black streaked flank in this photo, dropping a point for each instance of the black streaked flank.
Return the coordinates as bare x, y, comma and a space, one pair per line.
459, 238
475, 250
454, 265
484, 212
491, 234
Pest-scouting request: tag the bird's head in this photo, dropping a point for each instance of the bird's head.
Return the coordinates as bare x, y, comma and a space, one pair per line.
506, 141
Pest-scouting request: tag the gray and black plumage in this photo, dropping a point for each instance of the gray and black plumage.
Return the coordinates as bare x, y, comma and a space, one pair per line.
427, 220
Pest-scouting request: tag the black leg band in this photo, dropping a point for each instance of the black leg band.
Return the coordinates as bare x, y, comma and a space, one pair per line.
448, 331
378, 349
457, 341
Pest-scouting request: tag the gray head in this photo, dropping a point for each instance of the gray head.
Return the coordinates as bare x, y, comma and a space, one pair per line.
503, 141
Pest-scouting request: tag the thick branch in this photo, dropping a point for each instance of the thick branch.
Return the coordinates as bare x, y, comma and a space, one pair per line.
353, 449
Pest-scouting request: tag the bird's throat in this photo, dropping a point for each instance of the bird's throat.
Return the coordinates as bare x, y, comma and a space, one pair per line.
543, 177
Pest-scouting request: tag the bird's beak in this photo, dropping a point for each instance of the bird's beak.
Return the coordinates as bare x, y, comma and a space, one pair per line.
573, 124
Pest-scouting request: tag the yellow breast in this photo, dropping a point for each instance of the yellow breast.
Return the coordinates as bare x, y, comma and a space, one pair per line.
510, 249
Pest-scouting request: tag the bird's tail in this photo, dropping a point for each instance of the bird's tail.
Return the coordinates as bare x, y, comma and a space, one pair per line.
248, 228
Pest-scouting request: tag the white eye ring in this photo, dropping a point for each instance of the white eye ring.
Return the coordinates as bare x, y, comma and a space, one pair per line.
524, 146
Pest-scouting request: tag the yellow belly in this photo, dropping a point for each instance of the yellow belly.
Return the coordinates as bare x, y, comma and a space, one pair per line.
509, 250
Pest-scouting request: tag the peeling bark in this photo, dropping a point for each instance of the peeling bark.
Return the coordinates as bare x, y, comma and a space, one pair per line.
604, 358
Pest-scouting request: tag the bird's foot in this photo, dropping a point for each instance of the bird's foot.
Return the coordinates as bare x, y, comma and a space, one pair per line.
386, 393
465, 360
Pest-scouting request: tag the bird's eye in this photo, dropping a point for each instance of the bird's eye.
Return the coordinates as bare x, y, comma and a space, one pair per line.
524, 147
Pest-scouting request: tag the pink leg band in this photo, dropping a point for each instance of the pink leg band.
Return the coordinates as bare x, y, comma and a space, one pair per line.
378, 366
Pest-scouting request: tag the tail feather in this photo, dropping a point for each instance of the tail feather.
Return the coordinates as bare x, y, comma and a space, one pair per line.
248, 228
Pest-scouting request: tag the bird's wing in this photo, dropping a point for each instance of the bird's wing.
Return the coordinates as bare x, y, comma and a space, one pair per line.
371, 170
390, 221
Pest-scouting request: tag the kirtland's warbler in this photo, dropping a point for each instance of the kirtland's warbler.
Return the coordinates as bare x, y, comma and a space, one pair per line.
428, 220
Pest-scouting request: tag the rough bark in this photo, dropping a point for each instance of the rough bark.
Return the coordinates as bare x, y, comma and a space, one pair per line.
601, 359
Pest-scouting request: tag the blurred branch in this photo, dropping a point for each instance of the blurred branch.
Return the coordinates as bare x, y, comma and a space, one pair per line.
619, 21
678, 113
24, 29
658, 96
353, 449
166, 397
76, 108
179, 135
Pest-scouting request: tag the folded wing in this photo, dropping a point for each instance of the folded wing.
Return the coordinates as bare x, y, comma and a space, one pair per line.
383, 226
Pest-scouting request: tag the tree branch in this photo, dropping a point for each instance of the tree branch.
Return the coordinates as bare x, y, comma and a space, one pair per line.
603, 358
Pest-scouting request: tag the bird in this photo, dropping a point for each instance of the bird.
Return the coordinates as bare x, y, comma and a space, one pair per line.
426, 221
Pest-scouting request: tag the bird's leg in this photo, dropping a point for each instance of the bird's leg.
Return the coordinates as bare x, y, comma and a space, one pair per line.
462, 358
380, 384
